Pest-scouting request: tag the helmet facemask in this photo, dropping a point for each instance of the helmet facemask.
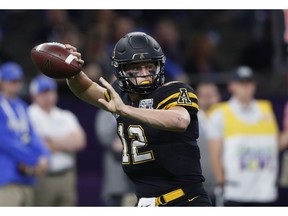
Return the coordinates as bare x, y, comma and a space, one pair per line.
126, 84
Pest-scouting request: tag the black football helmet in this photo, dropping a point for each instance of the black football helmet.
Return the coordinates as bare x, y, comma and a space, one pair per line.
133, 48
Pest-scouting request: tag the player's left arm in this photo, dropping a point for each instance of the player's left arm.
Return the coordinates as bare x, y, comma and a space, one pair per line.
176, 118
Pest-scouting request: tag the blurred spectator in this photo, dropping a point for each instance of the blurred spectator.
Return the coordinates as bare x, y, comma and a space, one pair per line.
243, 140
208, 96
258, 51
98, 34
174, 71
102, 17
3, 55
64, 137
22, 153
201, 55
70, 34
167, 34
96, 45
55, 22
94, 71
283, 171
117, 190
285, 35
121, 26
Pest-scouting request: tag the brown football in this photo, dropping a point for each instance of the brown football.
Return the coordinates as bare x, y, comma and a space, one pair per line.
54, 60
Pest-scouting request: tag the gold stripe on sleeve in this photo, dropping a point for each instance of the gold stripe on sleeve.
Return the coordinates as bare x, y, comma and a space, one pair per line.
168, 106
176, 95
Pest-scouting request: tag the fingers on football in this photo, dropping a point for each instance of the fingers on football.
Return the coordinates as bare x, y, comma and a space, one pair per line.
71, 48
80, 61
77, 54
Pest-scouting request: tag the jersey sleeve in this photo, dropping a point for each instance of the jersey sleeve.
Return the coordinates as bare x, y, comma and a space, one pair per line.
177, 94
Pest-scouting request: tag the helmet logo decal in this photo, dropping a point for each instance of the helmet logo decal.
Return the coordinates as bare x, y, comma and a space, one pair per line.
183, 97
139, 56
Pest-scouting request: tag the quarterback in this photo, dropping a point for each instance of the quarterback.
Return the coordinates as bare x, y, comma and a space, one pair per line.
157, 122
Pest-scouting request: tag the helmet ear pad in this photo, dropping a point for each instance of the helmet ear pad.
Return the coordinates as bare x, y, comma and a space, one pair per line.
138, 47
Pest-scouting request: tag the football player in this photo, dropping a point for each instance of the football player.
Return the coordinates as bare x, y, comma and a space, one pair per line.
157, 123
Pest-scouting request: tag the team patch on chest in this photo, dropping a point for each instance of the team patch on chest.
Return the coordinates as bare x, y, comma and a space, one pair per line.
146, 103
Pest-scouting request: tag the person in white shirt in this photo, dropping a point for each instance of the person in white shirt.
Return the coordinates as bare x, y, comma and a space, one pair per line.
208, 97
64, 136
116, 189
243, 140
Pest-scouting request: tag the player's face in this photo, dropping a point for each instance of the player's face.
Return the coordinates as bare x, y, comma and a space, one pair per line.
141, 73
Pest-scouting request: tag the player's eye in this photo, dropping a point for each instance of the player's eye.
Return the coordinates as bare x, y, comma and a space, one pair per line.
132, 72
151, 67
135, 70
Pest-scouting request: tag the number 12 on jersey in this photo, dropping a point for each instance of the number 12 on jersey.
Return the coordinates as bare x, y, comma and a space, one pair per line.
137, 141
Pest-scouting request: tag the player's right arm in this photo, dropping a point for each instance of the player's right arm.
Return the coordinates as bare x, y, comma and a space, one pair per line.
82, 86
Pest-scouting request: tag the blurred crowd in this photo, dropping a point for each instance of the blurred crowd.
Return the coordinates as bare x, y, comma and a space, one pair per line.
197, 43
201, 46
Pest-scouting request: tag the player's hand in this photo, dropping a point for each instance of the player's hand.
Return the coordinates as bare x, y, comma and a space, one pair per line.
115, 105
73, 51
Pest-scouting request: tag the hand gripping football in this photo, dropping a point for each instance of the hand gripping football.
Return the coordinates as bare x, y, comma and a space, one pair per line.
54, 60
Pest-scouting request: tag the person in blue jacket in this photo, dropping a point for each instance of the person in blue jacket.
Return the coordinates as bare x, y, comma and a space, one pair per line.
23, 155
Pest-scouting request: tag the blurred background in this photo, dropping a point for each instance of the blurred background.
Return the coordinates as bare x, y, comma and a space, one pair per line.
199, 44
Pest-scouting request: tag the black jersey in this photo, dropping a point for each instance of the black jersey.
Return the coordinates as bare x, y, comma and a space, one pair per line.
159, 161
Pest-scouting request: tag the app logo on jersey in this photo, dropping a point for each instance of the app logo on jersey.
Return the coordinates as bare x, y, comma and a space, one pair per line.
183, 97
146, 103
